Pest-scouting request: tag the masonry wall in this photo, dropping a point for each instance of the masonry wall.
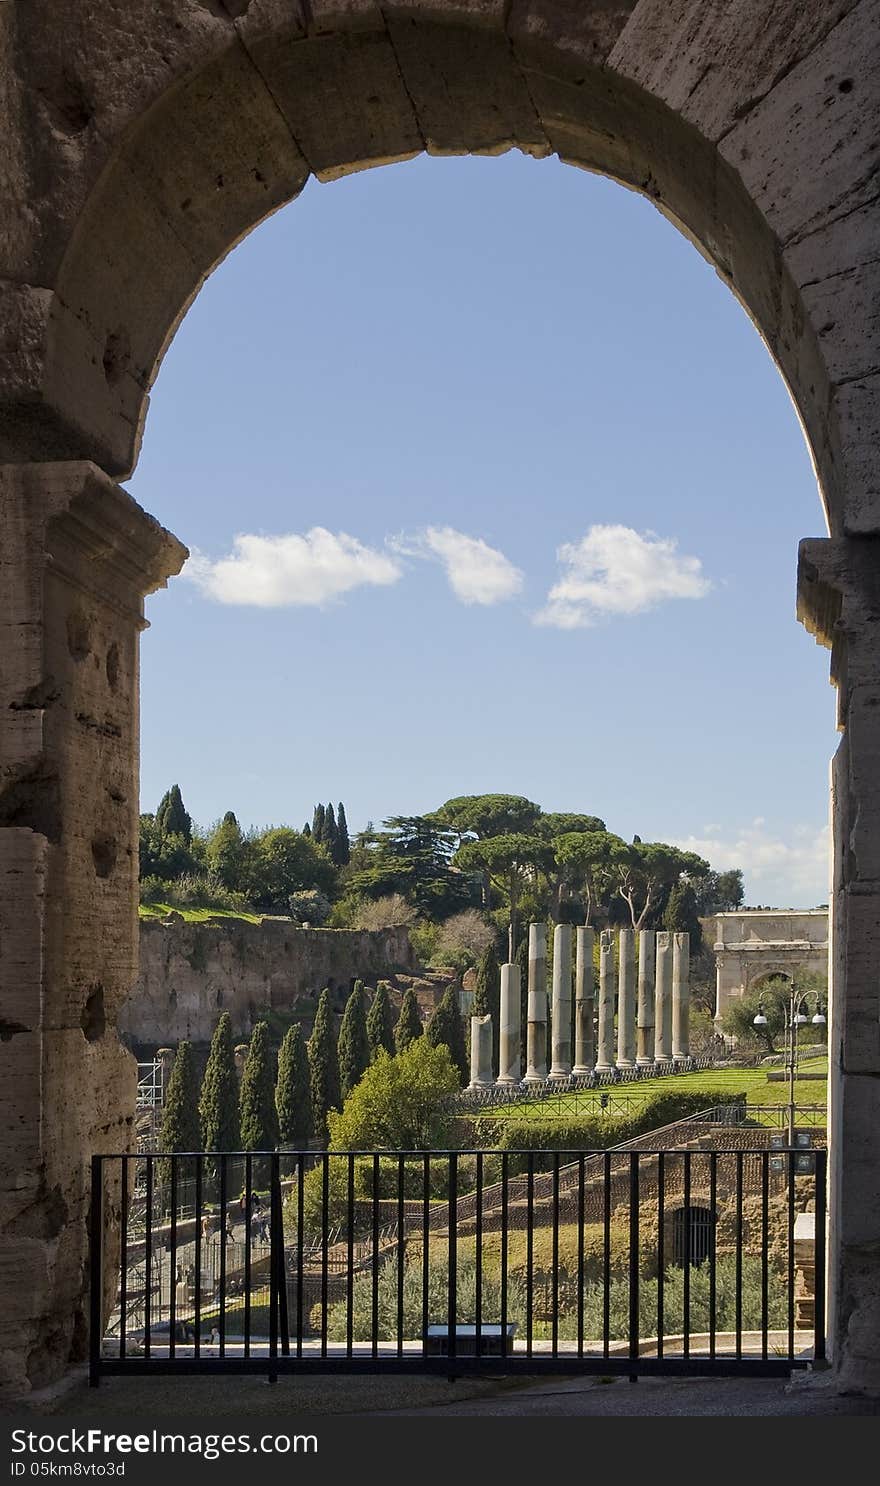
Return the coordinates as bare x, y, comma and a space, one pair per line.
190, 973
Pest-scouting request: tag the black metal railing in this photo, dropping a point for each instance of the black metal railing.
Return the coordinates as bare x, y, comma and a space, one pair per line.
626, 1260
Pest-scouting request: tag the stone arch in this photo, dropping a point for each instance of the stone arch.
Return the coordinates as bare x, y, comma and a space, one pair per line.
141, 142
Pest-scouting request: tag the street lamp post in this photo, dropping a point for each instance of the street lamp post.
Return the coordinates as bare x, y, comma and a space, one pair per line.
795, 1018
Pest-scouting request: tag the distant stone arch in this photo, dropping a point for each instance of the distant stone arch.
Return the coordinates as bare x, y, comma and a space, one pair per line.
756, 944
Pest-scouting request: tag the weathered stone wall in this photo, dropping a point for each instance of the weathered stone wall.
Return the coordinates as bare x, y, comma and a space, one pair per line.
190, 973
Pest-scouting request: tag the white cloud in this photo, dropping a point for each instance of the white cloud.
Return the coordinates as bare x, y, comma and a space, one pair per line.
477, 573
616, 570
274, 572
790, 871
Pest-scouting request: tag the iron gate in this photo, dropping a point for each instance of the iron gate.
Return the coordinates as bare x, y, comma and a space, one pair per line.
674, 1261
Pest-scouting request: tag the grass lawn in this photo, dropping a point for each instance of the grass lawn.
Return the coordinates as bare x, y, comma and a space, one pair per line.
194, 915
718, 1085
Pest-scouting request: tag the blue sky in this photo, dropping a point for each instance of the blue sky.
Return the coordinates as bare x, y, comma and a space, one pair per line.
490, 485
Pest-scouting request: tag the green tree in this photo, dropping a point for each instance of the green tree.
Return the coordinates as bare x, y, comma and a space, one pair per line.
772, 998
409, 1023
227, 852
318, 825
401, 1103
293, 1101
329, 838
509, 862
647, 869
585, 860
681, 916
411, 857
487, 994
323, 1067
354, 1043
720, 892
285, 862
380, 1022
258, 1115
218, 1101
172, 817
342, 854
180, 1117
445, 1027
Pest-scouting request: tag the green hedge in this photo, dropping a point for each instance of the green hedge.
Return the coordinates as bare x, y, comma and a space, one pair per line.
593, 1131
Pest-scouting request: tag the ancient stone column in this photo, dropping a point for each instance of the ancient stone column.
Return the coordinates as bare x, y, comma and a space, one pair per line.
584, 999
681, 992
663, 998
77, 556
510, 1030
536, 1043
626, 1000
645, 1012
481, 1052
560, 1019
605, 1060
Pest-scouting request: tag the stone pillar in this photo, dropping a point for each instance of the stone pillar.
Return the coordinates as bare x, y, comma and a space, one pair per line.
681, 997
560, 1019
663, 998
165, 1056
77, 556
605, 1060
536, 1043
645, 1014
839, 602
239, 1055
626, 999
510, 1030
584, 1000
481, 1052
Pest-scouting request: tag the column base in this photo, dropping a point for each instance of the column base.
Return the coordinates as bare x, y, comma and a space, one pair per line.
644, 1062
481, 1083
506, 1081
681, 1057
580, 1071
604, 1068
535, 1078
625, 1063
562, 1074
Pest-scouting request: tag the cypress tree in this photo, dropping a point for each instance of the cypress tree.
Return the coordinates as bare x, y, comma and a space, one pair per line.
343, 844
180, 1118
445, 1025
172, 818
409, 1023
293, 1100
259, 1118
318, 825
329, 837
487, 993
307, 830
354, 1044
380, 1023
323, 1067
218, 1102
682, 917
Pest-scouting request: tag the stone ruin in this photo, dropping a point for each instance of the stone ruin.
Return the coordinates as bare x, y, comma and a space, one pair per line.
652, 1012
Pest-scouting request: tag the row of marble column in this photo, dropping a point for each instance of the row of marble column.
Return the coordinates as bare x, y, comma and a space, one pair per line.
652, 1008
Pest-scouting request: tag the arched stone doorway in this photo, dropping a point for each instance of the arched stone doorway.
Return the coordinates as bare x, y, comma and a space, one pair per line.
142, 143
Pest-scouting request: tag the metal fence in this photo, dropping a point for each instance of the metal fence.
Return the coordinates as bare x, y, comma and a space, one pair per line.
616, 1261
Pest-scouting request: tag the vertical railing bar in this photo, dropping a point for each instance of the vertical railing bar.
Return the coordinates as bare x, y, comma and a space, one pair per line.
223, 1201
325, 1245
633, 1256
300, 1239
819, 1260
713, 1272
530, 1248
349, 1284
661, 1248
478, 1278
426, 1232
452, 1264
400, 1254
686, 1320
606, 1258
278, 1242
197, 1345
504, 1208
765, 1223
148, 1257
790, 1235
248, 1209
96, 1271
580, 1257
375, 1300
554, 1324
172, 1260
273, 1279
123, 1242
739, 1254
